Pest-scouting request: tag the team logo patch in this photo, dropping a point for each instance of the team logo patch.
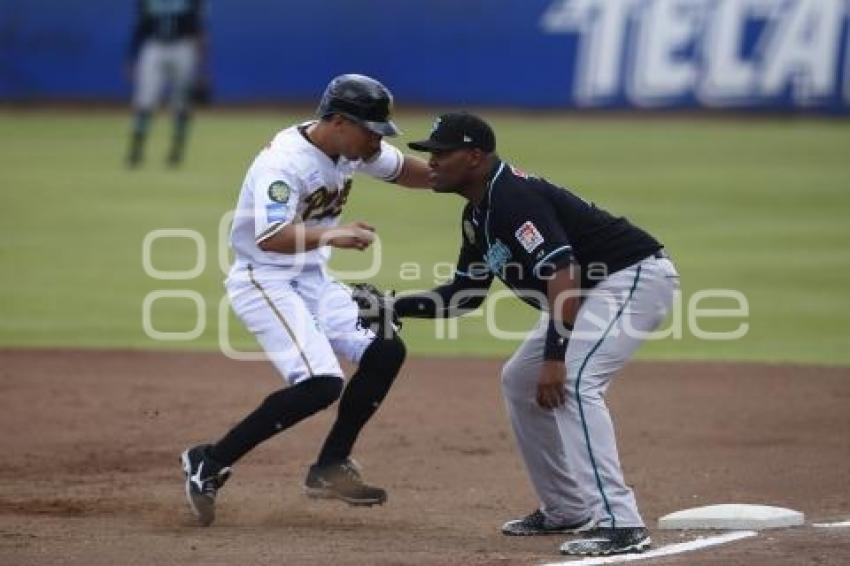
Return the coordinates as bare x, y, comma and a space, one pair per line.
529, 236
469, 231
497, 256
279, 192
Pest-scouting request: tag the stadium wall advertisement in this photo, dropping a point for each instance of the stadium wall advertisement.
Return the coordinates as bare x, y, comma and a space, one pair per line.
739, 54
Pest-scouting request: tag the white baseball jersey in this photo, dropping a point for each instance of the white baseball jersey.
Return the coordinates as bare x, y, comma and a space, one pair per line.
292, 180
302, 317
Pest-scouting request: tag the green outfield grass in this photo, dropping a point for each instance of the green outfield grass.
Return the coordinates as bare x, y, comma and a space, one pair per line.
757, 206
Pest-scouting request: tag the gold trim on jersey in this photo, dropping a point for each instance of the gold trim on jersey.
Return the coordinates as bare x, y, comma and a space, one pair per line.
269, 232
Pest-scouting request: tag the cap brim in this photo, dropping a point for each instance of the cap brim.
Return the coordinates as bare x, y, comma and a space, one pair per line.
432, 145
387, 128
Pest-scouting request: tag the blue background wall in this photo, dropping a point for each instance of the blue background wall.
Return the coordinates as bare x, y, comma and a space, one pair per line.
460, 52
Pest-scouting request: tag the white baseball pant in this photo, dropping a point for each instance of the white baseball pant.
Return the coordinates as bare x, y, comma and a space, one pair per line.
301, 322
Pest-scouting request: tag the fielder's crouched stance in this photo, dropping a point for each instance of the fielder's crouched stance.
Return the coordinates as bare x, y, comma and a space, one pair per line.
285, 222
602, 285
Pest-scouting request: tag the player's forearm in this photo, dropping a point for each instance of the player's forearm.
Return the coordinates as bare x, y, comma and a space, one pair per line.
415, 173
296, 238
446, 301
563, 293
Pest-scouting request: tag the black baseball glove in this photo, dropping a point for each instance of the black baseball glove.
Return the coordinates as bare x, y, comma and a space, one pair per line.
375, 307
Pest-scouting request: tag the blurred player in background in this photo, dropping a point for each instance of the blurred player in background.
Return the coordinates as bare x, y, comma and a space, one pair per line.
168, 47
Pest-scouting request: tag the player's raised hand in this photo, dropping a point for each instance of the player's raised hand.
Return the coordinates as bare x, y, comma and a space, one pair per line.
355, 236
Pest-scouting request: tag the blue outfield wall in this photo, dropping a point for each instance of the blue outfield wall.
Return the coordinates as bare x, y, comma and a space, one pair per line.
770, 54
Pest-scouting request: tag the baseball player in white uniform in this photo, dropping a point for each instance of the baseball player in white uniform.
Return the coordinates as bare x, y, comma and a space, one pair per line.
286, 222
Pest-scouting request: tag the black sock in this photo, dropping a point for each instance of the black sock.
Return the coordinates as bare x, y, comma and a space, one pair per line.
379, 366
279, 411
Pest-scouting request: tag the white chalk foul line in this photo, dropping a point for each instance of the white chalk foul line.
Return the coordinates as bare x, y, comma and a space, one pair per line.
663, 551
831, 525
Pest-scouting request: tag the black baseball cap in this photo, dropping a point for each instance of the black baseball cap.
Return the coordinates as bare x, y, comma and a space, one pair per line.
458, 130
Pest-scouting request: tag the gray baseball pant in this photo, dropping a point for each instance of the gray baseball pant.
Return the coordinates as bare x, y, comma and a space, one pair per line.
570, 453
160, 63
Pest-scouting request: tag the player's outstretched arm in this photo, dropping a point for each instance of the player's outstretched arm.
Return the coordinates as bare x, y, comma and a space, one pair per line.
462, 295
415, 173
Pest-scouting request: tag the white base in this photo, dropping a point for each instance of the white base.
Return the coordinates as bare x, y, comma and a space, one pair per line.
732, 516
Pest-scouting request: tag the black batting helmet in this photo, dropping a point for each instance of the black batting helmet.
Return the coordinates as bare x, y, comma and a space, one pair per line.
362, 99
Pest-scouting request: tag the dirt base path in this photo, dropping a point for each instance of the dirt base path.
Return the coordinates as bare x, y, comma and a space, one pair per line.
90, 471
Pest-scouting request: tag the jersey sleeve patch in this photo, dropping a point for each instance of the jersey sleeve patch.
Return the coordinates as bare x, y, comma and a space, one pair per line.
529, 236
276, 212
279, 192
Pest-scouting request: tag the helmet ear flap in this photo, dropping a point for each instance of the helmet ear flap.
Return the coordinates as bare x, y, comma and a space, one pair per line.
325, 104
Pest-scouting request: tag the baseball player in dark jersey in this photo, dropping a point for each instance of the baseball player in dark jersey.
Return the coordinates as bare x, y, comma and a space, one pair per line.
601, 283
167, 48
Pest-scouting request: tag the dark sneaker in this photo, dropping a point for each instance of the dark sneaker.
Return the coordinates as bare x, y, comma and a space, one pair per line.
537, 524
135, 151
175, 158
134, 158
204, 477
342, 481
602, 541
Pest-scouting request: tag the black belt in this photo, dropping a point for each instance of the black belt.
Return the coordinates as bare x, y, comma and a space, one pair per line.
661, 254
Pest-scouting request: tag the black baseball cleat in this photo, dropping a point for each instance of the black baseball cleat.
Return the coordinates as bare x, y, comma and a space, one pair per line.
133, 159
603, 541
135, 152
175, 157
342, 481
204, 477
537, 523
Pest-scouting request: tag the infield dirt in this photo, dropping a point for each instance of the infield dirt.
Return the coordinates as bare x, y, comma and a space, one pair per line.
90, 471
